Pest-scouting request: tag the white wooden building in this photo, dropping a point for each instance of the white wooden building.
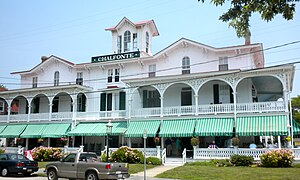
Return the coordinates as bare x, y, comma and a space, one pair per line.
186, 89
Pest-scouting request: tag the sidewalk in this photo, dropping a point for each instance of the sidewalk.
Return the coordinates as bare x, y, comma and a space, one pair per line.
150, 173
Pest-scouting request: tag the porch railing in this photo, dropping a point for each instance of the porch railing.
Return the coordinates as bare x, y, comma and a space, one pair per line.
260, 107
225, 153
216, 108
146, 112
39, 117
179, 110
100, 115
60, 116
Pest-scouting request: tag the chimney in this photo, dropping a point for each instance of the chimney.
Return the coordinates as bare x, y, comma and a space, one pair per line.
44, 58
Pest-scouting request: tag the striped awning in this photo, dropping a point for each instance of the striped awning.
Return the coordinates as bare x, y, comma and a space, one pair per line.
83, 129
118, 128
13, 130
214, 127
177, 128
2, 127
56, 130
296, 128
33, 131
262, 125
136, 128
98, 129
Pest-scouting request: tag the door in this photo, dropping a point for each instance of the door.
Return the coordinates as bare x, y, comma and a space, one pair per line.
68, 167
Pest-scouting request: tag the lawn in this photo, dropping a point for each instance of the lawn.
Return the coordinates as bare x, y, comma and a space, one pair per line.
243, 173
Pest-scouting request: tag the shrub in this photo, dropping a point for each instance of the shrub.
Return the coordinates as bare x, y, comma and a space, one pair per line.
240, 160
235, 141
194, 141
47, 154
126, 154
2, 151
221, 162
277, 158
153, 161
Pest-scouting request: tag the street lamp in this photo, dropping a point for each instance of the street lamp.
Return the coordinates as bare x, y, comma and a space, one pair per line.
145, 138
108, 132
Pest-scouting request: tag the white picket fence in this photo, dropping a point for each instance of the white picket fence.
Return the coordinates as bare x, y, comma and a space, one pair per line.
225, 153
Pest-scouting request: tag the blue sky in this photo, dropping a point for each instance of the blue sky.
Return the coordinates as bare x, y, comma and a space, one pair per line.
74, 30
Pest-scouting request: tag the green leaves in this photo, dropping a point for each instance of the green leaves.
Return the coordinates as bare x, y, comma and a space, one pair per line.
238, 15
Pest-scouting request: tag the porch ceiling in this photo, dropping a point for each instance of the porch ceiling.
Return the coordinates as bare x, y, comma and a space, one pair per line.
262, 125
267, 85
136, 128
177, 128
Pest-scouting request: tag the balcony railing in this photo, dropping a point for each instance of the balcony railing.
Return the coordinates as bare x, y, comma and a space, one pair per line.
261, 107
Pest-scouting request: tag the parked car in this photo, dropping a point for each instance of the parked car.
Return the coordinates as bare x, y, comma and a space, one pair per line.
84, 165
11, 163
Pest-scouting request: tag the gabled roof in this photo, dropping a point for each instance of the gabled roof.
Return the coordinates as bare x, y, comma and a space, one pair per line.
51, 58
185, 41
136, 24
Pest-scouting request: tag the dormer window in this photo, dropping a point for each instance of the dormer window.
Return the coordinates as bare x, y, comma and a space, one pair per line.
119, 44
147, 42
185, 65
56, 78
127, 41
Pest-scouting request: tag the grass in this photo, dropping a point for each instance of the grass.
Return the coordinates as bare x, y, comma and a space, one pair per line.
206, 171
135, 168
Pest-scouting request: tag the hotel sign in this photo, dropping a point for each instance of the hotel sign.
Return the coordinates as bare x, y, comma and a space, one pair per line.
112, 57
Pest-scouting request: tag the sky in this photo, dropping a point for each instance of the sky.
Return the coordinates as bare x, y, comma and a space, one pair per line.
74, 30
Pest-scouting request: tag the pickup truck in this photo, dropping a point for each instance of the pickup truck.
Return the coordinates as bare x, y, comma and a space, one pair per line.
85, 165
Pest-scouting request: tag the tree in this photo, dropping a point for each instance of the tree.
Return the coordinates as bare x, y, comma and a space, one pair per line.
296, 108
240, 12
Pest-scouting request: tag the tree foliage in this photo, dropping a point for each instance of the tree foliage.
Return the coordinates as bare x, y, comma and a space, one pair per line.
296, 108
238, 15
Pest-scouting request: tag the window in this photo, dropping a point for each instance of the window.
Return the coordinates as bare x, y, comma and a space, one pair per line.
1, 106
186, 96
106, 102
56, 78
81, 101
151, 98
223, 63
152, 70
147, 42
34, 82
70, 158
135, 41
113, 74
127, 41
186, 65
79, 79
119, 44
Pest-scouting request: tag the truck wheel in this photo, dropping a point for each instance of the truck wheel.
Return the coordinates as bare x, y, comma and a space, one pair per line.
91, 176
51, 174
4, 172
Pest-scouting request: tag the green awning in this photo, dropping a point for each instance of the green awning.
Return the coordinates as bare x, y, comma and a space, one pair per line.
2, 128
214, 127
177, 128
33, 131
56, 130
296, 128
13, 131
83, 129
136, 128
118, 128
262, 125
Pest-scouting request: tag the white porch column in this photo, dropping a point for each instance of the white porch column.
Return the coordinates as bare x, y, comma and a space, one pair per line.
48, 142
196, 104
26, 143
50, 111
286, 100
161, 106
8, 113
129, 107
234, 106
113, 102
74, 105
129, 142
29, 112
162, 143
291, 121
279, 142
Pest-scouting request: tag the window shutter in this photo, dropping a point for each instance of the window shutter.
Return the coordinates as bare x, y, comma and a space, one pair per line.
103, 102
122, 101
